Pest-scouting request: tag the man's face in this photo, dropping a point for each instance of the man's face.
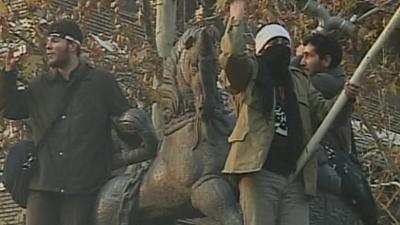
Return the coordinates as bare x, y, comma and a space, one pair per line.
58, 52
312, 62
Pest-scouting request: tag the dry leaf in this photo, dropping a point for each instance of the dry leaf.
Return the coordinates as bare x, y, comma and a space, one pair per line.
392, 87
33, 2
3, 8
31, 64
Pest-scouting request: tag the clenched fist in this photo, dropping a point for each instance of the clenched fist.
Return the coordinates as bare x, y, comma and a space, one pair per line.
237, 9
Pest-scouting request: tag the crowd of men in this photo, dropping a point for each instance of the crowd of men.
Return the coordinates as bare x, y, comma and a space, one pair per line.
279, 101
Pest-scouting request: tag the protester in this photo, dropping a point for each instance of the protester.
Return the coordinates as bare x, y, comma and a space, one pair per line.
277, 108
321, 58
75, 159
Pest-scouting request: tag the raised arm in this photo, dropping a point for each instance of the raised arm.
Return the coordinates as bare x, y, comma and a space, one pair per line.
13, 102
237, 56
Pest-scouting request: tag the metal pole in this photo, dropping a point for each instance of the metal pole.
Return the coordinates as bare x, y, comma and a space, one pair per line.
165, 38
165, 26
342, 100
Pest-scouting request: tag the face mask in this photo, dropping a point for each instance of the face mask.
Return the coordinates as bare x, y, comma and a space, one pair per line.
277, 57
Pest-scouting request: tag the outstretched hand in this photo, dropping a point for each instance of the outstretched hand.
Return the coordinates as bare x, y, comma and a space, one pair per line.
237, 9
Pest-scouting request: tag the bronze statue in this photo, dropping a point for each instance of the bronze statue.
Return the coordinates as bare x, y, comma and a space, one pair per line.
184, 179
183, 184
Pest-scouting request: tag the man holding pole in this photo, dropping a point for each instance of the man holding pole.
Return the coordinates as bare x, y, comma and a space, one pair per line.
343, 98
321, 56
277, 108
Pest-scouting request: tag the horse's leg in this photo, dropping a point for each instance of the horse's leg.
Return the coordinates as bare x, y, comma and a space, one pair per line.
216, 199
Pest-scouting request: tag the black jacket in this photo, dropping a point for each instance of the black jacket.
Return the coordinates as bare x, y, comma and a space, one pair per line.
330, 84
76, 156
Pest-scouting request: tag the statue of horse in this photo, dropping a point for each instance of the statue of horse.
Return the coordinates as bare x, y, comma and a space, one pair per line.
183, 183
184, 179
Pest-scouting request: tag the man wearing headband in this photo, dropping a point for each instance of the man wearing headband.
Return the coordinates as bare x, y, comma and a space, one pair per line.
76, 158
63, 45
276, 108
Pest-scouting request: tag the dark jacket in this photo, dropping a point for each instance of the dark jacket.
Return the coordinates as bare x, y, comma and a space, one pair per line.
76, 156
330, 83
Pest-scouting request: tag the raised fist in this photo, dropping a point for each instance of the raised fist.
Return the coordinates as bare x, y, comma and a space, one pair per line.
237, 9
11, 60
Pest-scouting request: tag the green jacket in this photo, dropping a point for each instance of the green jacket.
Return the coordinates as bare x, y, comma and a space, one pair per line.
252, 135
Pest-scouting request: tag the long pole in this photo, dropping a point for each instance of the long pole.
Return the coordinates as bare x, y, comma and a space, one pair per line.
165, 26
165, 38
342, 100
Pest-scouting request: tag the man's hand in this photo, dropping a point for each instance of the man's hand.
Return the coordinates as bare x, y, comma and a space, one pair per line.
11, 61
299, 50
237, 9
351, 90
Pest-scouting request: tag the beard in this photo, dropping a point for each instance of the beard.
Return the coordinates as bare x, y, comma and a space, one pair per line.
59, 60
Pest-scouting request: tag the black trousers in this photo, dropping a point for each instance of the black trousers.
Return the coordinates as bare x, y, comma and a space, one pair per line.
50, 208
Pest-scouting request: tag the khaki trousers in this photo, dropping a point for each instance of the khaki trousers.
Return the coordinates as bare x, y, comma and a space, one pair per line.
267, 198
50, 208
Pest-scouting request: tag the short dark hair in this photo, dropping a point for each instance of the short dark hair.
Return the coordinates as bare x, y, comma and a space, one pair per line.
69, 30
325, 45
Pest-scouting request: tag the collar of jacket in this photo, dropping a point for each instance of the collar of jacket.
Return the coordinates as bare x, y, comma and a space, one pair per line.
336, 71
77, 72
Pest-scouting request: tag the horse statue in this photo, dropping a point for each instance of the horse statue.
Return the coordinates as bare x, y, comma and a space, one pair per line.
184, 179
183, 184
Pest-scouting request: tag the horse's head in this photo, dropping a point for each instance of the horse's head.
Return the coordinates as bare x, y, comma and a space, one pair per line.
197, 70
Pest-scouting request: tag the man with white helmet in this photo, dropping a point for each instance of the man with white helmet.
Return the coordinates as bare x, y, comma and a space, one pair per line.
277, 108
